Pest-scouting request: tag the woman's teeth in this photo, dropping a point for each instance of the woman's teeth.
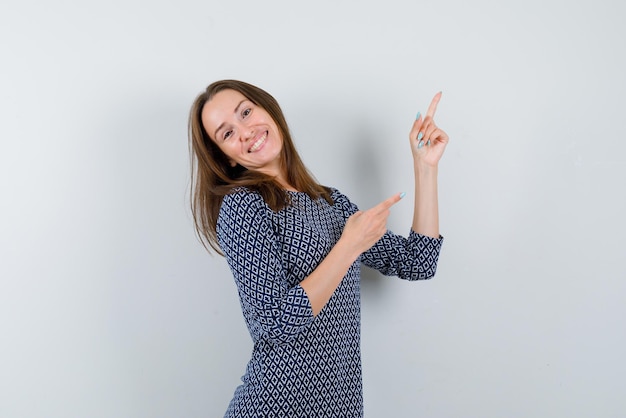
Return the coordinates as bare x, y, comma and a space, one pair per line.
258, 143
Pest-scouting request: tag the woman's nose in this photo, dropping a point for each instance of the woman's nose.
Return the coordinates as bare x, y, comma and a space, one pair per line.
247, 135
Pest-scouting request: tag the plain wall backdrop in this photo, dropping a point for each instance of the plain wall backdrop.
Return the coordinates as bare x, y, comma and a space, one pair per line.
109, 305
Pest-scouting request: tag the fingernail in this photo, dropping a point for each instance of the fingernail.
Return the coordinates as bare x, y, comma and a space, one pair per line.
428, 143
418, 115
420, 144
402, 195
420, 136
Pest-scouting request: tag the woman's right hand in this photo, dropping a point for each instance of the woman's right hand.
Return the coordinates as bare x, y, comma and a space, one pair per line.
364, 228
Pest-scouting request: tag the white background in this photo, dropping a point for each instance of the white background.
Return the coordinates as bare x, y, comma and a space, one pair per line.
110, 307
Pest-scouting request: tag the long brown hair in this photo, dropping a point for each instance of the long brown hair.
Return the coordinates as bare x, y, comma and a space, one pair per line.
212, 176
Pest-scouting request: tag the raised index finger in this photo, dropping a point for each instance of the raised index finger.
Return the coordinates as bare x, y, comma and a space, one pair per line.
433, 105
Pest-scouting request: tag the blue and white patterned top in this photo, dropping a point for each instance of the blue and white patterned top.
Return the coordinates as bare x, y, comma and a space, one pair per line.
301, 365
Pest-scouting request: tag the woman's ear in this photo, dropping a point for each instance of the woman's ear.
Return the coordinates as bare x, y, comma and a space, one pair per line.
232, 162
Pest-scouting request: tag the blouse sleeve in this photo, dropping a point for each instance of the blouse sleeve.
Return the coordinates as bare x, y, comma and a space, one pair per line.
412, 258
272, 309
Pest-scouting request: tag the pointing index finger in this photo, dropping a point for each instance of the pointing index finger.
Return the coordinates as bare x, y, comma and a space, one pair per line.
387, 203
432, 108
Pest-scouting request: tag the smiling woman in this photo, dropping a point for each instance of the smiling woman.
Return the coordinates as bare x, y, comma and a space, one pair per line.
295, 249
245, 133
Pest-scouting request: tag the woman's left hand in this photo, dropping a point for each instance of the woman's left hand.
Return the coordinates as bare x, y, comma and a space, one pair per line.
428, 142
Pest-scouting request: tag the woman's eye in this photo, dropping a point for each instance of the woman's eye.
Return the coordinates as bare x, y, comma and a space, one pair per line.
227, 134
246, 112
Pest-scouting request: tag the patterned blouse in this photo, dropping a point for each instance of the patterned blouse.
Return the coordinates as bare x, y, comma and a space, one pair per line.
301, 365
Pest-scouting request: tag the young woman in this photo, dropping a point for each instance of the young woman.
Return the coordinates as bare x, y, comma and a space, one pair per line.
295, 249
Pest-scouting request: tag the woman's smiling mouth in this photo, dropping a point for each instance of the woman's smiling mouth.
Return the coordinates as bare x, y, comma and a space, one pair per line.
258, 143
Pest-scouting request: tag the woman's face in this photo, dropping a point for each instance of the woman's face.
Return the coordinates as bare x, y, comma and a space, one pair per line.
245, 132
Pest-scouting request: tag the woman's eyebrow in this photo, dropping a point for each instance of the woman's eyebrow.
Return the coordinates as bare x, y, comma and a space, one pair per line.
234, 112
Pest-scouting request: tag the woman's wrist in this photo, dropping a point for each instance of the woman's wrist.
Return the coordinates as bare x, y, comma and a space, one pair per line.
423, 169
346, 250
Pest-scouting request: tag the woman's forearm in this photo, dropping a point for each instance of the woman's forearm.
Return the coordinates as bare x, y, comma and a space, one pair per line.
426, 207
322, 282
